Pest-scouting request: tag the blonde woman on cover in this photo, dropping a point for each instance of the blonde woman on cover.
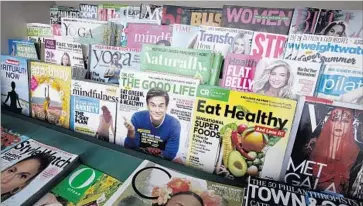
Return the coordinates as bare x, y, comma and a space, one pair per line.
106, 122
276, 80
240, 44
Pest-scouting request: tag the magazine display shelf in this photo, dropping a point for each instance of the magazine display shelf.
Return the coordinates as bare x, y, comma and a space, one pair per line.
109, 158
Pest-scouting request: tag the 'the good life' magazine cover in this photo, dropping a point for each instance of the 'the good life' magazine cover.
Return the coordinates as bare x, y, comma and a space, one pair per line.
154, 113
154, 185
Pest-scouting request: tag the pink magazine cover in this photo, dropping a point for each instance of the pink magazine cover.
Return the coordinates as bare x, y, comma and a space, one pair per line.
138, 34
239, 72
268, 45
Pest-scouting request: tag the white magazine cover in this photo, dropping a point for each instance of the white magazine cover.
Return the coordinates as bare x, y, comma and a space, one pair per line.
153, 185
85, 31
34, 164
154, 114
106, 62
286, 78
341, 83
268, 45
130, 12
151, 12
37, 32
329, 49
15, 84
66, 54
93, 109
184, 36
224, 40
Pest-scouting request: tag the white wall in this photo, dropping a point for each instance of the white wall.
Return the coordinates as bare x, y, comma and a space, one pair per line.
15, 15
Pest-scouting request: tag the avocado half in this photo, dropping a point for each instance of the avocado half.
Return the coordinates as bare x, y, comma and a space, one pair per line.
237, 164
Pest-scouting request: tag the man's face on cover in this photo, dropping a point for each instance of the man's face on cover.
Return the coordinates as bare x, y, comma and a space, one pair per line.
157, 108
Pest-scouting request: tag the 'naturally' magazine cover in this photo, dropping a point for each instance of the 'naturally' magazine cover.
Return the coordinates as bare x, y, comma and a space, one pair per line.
154, 113
50, 87
93, 109
154, 185
15, 84
237, 134
84, 186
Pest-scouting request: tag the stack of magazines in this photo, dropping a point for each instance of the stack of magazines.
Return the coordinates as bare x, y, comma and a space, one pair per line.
274, 93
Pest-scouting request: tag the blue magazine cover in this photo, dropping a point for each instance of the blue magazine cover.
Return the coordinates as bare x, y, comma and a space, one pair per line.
22, 48
15, 84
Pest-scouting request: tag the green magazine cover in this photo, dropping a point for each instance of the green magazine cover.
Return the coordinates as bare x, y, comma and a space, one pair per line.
84, 186
184, 62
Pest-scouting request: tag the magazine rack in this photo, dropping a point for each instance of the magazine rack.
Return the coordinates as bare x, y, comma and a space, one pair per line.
109, 158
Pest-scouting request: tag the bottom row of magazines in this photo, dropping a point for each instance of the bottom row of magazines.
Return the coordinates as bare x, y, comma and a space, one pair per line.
31, 171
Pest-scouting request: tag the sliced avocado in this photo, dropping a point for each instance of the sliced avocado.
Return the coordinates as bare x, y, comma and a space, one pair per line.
237, 164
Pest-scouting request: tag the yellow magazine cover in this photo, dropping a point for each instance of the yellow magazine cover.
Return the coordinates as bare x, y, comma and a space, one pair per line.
50, 87
237, 134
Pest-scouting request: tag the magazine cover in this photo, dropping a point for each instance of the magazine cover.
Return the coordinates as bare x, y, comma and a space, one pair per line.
88, 11
106, 62
304, 20
191, 15
237, 134
224, 40
108, 11
84, 186
326, 154
154, 113
56, 15
93, 109
130, 12
66, 54
184, 36
119, 29
340, 23
239, 71
50, 87
10, 139
85, 31
22, 48
15, 84
151, 12
186, 62
341, 83
269, 192
268, 45
37, 32
286, 78
139, 34
152, 184
328, 50
260, 19
36, 165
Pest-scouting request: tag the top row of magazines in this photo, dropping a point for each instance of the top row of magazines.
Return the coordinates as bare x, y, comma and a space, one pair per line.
216, 98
